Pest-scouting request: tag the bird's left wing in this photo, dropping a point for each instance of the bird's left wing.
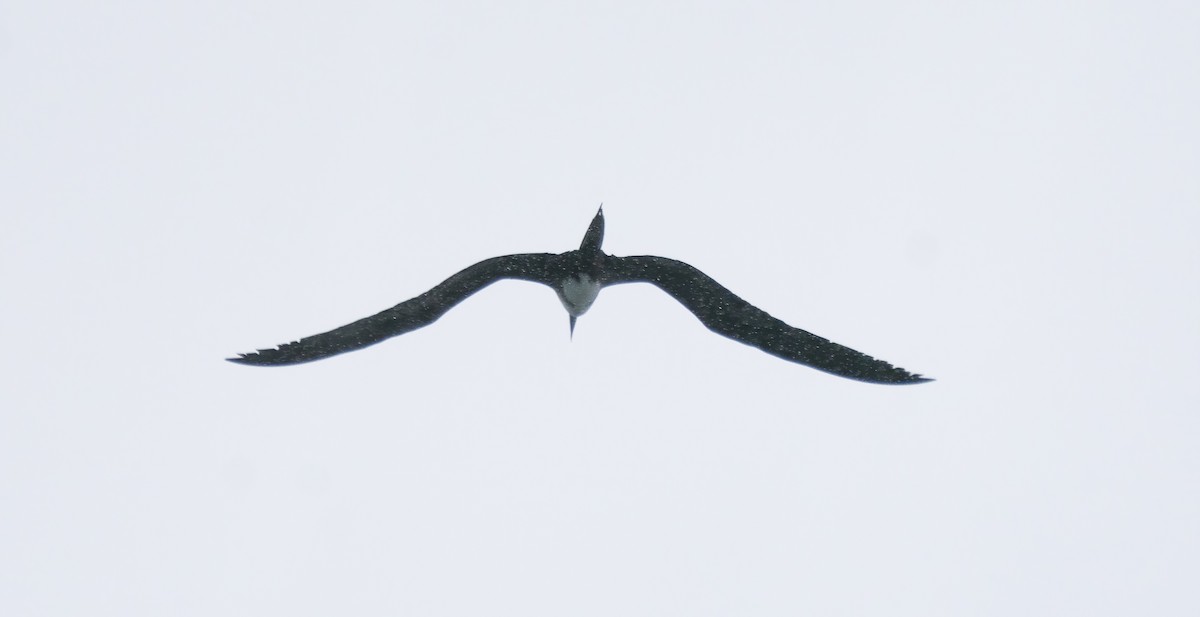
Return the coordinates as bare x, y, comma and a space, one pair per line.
726, 314
408, 315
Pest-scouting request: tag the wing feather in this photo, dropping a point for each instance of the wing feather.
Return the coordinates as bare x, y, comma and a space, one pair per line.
726, 314
408, 315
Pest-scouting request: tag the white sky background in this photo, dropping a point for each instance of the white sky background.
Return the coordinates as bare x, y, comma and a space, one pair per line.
1001, 196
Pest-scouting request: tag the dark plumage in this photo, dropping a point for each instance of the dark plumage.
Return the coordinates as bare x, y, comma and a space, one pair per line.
577, 276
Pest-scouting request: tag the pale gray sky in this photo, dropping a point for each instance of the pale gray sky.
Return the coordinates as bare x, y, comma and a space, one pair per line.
1003, 196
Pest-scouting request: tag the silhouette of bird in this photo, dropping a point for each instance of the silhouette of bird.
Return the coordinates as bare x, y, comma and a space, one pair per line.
577, 277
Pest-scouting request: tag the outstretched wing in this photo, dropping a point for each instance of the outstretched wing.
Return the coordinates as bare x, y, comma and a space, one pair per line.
408, 315
728, 315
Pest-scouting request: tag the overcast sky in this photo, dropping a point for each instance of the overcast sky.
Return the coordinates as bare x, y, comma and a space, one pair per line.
1003, 196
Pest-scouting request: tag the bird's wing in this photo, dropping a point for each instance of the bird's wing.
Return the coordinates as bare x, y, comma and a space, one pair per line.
408, 315
728, 315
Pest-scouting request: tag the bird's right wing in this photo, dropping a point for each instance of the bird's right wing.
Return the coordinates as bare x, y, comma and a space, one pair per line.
728, 315
408, 315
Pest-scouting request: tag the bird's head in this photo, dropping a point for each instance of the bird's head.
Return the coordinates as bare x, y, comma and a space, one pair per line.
577, 293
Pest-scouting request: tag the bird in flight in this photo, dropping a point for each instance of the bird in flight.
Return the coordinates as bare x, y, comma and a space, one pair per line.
577, 277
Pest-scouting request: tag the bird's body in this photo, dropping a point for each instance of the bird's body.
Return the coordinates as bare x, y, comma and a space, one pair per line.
577, 277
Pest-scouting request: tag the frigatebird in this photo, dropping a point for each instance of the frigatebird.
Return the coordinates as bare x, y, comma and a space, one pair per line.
577, 277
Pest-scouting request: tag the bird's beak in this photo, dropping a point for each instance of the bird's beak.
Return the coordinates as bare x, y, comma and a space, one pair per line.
572, 327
